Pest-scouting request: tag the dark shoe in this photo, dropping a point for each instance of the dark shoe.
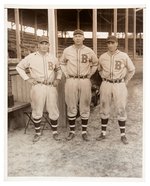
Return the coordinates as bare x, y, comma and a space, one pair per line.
70, 136
101, 137
85, 137
36, 138
55, 136
124, 140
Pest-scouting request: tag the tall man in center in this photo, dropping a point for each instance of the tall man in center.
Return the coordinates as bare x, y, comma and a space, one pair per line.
78, 64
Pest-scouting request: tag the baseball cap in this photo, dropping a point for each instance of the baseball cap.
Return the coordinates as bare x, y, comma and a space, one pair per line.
112, 39
78, 31
43, 39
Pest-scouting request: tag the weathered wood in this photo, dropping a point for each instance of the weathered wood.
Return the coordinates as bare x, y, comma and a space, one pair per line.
61, 103
19, 88
16, 117
17, 106
14, 87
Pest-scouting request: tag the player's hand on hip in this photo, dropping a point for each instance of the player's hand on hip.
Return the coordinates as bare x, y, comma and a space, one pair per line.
32, 81
56, 82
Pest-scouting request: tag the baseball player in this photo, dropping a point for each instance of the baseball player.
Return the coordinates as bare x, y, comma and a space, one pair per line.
116, 69
78, 63
45, 74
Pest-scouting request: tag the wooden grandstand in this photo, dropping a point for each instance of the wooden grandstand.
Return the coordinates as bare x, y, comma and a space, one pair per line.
29, 44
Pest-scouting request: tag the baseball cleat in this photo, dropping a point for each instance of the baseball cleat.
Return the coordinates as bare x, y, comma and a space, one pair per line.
36, 138
124, 140
85, 137
70, 136
55, 137
101, 137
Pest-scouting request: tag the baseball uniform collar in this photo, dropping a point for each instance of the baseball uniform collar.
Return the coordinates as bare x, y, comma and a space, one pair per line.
79, 47
46, 54
116, 52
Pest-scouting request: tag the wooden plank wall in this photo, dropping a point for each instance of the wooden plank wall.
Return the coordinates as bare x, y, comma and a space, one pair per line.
20, 89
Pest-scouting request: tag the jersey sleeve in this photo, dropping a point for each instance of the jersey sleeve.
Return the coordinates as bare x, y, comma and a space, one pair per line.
130, 69
94, 59
63, 64
63, 60
99, 64
129, 63
94, 63
58, 69
21, 67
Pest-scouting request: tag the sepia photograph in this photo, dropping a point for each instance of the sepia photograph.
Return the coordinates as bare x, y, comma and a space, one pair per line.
74, 92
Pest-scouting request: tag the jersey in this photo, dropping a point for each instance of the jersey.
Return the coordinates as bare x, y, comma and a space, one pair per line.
78, 62
115, 66
42, 68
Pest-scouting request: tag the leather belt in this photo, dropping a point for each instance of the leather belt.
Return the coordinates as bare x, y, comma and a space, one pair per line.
82, 77
113, 81
45, 83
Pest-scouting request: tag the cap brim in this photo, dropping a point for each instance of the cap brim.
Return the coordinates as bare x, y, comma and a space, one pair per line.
111, 41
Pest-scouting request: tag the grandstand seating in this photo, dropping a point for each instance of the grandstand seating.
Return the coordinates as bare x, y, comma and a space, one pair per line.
29, 44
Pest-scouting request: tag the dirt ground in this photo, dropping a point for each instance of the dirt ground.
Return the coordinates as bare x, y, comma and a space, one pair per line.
76, 158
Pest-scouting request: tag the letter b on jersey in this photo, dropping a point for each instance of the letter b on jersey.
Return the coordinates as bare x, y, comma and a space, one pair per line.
117, 65
84, 58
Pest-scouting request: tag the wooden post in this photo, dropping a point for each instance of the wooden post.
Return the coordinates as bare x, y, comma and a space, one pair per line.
17, 34
134, 33
115, 22
95, 30
52, 30
35, 24
78, 19
126, 31
21, 25
56, 32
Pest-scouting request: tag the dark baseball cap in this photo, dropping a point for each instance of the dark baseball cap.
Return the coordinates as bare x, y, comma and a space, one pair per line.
43, 39
78, 31
112, 39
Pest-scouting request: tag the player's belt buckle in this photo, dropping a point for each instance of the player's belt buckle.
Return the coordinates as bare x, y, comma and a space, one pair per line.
70, 76
118, 80
50, 83
40, 82
83, 77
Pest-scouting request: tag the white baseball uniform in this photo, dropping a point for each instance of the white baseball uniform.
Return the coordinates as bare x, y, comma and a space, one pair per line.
44, 69
78, 65
116, 70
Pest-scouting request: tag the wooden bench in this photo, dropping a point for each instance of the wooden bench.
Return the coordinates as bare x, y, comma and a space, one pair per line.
19, 116
17, 106
16, 117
